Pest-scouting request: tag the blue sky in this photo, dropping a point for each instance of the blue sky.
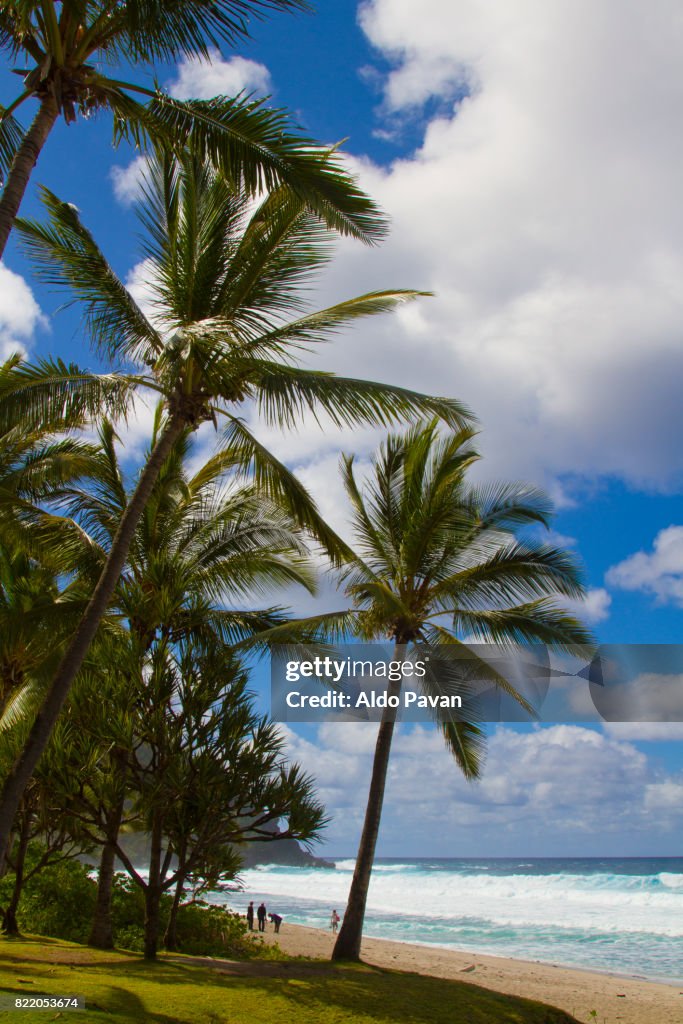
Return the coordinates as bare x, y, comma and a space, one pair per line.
530, 161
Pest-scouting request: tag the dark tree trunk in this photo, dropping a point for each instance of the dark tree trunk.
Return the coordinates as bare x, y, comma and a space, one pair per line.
46, 718
102, 931
22, 166
171, 933
152, 902
153, 892
347, 946
10, 925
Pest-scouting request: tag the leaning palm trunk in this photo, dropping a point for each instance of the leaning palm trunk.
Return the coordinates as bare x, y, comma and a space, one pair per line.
347, 946
46, 718
24, 161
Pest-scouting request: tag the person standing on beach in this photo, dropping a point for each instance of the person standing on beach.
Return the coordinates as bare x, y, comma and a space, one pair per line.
277, 921
334, 921
261, 914
250, 915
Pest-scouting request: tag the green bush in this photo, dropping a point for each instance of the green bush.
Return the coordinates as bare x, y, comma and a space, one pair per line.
59, 901
207, 930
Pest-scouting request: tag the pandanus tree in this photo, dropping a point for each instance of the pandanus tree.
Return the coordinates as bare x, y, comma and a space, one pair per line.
437, 561
225, 276
67, 54
215, 774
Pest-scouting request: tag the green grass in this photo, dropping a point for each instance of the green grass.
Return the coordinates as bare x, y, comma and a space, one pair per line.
120, 988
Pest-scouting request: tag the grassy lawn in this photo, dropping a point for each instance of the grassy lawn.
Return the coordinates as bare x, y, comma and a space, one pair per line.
119, 988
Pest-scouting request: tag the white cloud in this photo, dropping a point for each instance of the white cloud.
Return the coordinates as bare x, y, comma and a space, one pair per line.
127, 181
543, 210
204, 79
20, 314
659, 572
594, 607
559, 788
664, 796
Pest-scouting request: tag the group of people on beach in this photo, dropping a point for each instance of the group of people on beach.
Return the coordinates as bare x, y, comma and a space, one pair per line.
261, 915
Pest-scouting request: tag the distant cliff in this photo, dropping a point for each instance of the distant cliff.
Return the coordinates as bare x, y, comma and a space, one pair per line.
280, 851
271, 851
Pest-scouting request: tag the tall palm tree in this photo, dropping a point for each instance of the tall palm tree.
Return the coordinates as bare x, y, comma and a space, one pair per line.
61, 52
432, 550
225, 275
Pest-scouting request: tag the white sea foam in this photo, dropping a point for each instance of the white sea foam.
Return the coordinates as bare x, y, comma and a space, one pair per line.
670, 880
588, 903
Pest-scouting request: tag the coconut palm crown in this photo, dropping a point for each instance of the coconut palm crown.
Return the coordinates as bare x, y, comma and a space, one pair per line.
437, 560
67, 56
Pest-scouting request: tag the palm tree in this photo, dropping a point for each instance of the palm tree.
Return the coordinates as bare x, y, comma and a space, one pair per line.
225, 277
432, 549
60, 51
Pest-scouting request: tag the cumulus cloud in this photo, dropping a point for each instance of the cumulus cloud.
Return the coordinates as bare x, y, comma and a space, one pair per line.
659, 572
203, 79
20, 314
563, 787
543, 210
594, 607
128, 181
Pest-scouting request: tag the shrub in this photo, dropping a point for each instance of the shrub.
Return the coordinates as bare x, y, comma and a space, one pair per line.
59, 901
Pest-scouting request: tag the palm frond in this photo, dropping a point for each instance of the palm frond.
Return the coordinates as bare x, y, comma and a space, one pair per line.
52, 395
256, 150
154, 30
11, 135
286, 393
252, 458
65, 254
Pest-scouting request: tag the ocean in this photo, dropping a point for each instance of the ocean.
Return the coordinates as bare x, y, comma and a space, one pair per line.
624, 916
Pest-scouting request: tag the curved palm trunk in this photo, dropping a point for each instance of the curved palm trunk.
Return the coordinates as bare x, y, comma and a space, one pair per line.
46, 718
22, 166
347, 946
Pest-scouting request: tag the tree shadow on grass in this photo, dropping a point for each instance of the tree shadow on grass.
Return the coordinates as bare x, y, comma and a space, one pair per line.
400, 998
122, 989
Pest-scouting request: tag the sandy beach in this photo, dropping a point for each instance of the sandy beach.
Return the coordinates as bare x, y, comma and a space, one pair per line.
615, 998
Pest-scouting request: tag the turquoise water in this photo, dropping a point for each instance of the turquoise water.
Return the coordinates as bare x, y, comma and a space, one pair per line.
615, 915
